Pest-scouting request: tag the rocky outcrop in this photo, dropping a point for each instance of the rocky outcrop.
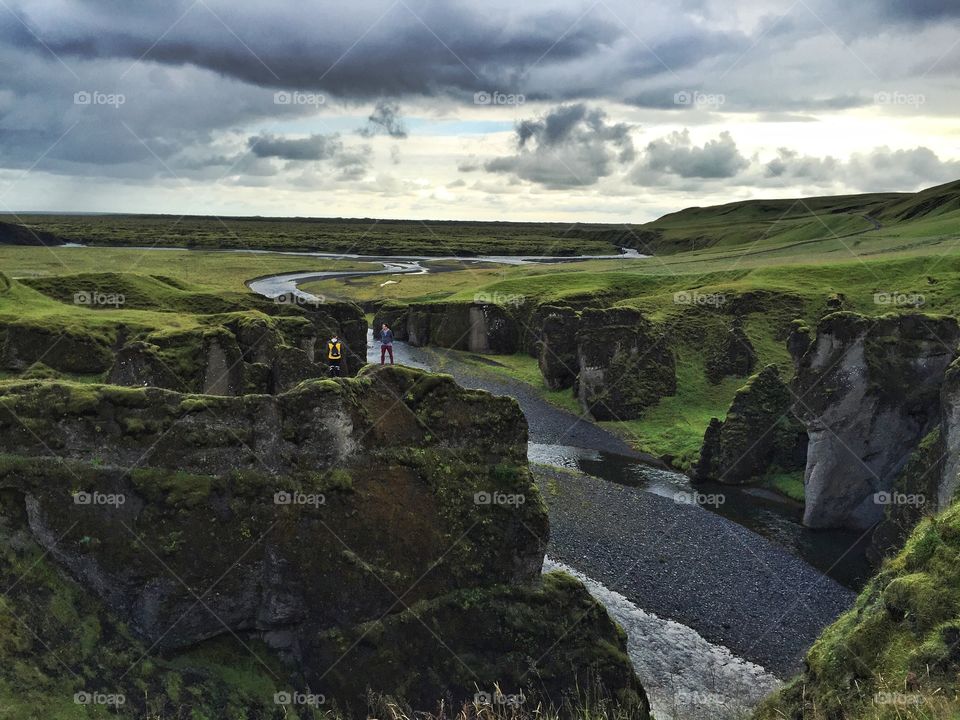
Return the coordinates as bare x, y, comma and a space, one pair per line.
243, 352
475, 327
340, 516
625, 364
401, 498
759, 436
868, 390
526, 633
558, 357
949, 480
734, 358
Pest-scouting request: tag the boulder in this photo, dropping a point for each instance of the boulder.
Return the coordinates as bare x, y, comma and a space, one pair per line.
625, 364
868, 390
758, 436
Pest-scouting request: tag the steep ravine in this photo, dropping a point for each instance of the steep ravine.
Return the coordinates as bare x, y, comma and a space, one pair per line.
734, 591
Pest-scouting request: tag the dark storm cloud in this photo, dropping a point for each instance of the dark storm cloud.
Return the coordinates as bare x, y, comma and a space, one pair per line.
361, 50
570, 146
385, 119
315, 147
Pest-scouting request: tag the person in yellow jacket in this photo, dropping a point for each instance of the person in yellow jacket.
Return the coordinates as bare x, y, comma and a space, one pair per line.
335, 355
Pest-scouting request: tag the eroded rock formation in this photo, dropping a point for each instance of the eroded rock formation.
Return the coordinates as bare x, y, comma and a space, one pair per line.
868, 390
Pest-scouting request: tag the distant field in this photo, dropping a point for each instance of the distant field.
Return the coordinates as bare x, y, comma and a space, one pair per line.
216, 270
371, 237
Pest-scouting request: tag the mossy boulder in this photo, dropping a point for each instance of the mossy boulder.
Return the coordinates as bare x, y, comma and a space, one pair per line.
759, 437
439, 497
625, 363
894, 654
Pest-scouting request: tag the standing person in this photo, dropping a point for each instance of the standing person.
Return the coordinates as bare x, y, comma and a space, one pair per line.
335, 355
386, 343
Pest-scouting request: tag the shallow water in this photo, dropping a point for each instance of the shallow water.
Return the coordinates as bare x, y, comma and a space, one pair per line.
685, 676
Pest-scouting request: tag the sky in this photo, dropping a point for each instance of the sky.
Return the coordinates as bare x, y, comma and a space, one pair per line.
562, 110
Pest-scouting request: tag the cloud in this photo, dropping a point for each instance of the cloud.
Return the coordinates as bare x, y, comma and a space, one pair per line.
570, 146
385, 119
315, 147
676, 154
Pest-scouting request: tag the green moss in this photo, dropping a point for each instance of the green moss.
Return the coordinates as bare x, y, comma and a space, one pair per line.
900, 637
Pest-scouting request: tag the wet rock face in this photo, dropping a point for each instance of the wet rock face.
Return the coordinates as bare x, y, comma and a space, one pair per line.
366, 512
869, 390
759, 434
625, 365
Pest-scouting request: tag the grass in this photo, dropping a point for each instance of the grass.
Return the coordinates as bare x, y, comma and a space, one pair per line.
893, 655
365, 236
788, 484
212, 270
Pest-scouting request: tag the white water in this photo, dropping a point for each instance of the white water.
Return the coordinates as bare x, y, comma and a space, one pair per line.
685, 676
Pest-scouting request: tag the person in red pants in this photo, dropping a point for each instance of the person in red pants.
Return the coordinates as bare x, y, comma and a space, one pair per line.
386, 343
